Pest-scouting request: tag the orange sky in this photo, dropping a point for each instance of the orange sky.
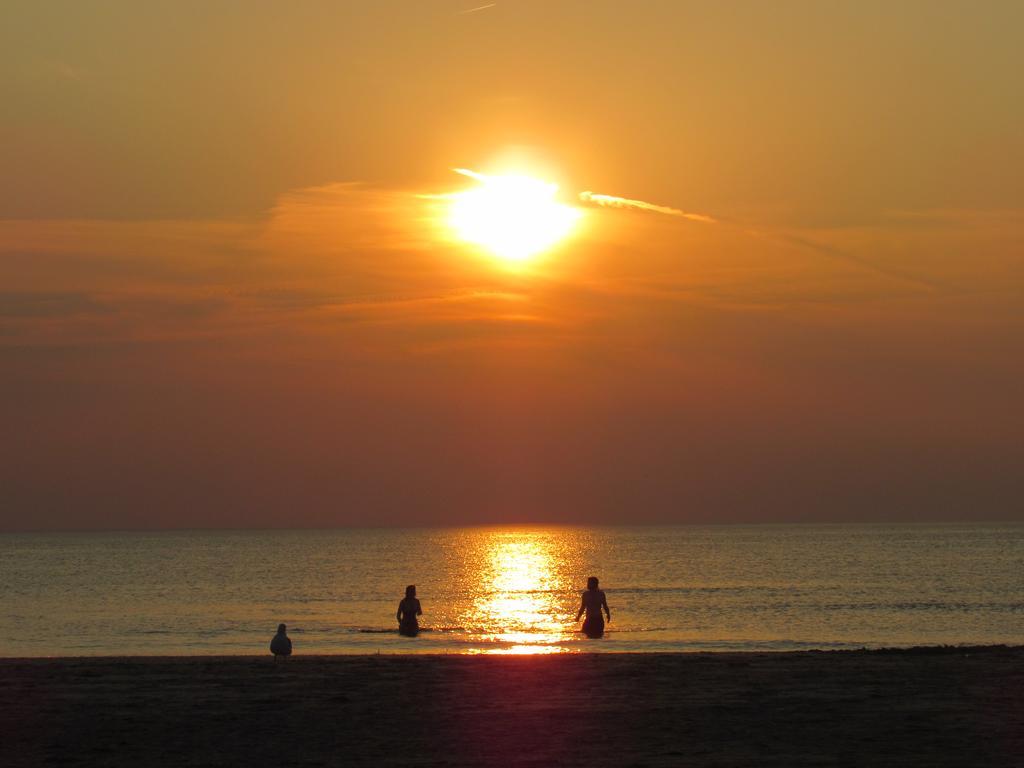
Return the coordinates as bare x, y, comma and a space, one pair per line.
226, 298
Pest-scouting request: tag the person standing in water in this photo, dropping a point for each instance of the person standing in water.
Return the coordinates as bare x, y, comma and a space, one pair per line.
408, 610
592, 603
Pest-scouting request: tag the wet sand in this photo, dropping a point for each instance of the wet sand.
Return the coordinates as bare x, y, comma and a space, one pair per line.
949, 707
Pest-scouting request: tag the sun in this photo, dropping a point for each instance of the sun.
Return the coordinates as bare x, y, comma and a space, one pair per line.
513, 217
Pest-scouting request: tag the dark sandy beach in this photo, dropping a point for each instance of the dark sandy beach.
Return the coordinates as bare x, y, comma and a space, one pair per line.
935, 707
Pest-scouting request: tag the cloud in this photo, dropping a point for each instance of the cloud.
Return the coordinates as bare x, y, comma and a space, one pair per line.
361, 265
611, 201
341, 342
831, 251
38, 304
372, 271
475, 10
800, 241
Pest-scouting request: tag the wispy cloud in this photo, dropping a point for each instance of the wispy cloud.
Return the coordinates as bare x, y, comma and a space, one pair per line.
36, 304
372, 270
474, 10
611, 201
893, 273
470, 174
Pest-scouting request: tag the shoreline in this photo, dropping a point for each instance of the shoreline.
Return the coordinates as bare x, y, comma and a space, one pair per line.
924, 650
932, 705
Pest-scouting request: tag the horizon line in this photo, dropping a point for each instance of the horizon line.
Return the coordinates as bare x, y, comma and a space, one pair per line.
518, 525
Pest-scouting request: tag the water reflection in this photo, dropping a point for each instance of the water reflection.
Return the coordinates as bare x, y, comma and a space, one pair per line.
524, 592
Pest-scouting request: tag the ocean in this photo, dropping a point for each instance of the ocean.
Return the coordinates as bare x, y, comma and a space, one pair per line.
512, 590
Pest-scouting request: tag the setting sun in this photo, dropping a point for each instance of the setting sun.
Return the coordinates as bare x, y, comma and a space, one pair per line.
662, 350
514, 217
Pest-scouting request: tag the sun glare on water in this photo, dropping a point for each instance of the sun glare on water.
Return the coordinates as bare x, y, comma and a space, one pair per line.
513, 217
525, 604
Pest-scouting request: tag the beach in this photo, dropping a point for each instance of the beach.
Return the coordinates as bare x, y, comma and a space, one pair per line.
927, 706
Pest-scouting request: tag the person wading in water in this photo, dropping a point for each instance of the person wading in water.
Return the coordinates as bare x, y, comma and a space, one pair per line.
408, 610
592, 603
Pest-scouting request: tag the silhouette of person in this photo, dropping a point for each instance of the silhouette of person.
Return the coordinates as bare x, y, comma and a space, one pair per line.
408, 610
281, 645
593, 601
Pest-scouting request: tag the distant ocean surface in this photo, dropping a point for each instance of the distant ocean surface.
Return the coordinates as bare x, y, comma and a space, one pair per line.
515, 590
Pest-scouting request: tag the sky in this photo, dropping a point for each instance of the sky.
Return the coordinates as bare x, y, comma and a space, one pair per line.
231, 296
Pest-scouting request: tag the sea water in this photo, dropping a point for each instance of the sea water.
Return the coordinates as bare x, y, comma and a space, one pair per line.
512, 590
